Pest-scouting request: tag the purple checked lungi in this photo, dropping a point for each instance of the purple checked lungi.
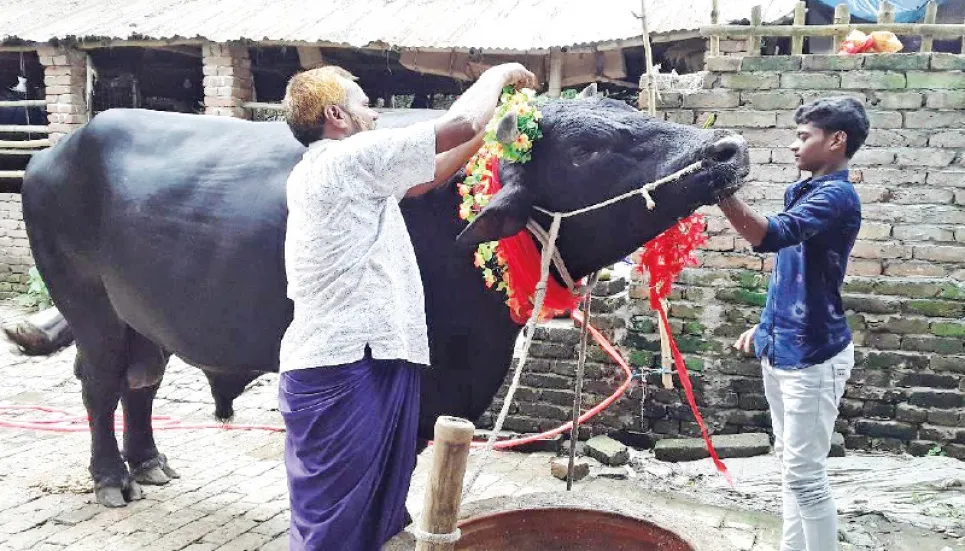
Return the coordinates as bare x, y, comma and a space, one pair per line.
349, 452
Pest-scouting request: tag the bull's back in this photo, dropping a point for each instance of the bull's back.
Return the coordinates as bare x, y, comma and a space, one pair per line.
184, 218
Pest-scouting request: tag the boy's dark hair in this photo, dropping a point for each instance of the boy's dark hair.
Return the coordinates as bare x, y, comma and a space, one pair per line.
837, 114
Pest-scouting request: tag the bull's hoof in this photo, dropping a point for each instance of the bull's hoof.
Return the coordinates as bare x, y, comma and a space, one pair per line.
117, 496
154, 471
155, 476
110, 496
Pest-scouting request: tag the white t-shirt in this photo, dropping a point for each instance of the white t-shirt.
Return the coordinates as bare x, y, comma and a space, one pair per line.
351, 269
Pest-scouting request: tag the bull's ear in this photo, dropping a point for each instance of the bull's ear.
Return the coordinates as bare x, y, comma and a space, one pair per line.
504, 216
588, 92
507, 129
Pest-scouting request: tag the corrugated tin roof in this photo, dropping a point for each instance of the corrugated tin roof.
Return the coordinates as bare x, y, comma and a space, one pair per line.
517, 25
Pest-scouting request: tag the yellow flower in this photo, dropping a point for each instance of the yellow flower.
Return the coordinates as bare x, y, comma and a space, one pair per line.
464, 211
522, 142
490, 279
537, 115
463, 189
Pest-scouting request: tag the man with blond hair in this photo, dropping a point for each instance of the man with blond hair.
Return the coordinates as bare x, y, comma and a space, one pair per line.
349, 361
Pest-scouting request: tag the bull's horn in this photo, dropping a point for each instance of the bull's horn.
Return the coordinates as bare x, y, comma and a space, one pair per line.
588, 92
507, 129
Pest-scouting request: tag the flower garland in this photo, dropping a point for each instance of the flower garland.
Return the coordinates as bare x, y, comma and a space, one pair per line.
506, 264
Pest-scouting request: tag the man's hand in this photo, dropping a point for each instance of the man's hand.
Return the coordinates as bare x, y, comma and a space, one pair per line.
746, 340
514, 74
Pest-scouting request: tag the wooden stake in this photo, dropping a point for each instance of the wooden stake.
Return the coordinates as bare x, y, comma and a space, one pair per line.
886, 12
842, 16
714, 20
754, 42
440, 510
666, 354
931, 15
797, 42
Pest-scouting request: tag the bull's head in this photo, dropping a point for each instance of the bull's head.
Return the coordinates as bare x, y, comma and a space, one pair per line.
594, 149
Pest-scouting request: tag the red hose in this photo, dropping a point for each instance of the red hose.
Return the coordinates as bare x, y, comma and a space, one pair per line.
605, 344
63, 422
66, 423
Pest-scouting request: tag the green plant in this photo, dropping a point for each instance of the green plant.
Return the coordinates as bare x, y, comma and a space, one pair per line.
37, 296
936, 451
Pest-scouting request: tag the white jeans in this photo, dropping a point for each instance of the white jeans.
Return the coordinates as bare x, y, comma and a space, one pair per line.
804, 405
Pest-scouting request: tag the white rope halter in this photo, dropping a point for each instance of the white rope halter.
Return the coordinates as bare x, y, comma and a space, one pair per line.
548, 241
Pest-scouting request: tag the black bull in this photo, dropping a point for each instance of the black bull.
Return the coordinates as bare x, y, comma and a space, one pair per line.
162, 234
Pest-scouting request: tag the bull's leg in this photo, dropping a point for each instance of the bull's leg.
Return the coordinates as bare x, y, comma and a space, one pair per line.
145, 365
148, 465
102, 385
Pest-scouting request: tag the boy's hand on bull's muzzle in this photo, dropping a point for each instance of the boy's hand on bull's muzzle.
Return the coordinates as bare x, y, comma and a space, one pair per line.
746, 340
516, 75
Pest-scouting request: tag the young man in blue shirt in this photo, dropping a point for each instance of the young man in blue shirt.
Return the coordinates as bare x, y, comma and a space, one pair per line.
803, 339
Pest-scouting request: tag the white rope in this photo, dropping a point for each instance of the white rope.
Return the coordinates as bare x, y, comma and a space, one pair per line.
530, 332
429, 537
644, 191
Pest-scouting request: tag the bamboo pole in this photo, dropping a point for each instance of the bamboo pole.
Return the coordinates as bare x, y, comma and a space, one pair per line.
648, 50
714, 20
931, 15
23, 129
17, 152
754, 41
842, 16
89, 88
555, 87
24, 103
12, 174
886, 12
440, 510
24, 144
797, 42
938, 30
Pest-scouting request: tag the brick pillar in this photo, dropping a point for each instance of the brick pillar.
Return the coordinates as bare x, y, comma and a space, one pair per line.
65, 79
227, 80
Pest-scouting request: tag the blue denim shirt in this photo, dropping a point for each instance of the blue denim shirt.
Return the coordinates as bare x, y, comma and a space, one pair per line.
803, 321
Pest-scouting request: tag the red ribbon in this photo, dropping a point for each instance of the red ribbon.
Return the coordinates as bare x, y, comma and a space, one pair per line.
664, 257
523, 271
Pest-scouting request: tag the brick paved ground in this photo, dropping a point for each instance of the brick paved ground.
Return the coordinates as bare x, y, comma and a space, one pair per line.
231, 495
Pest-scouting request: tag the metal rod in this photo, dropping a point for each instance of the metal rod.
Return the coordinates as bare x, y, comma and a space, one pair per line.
12, 174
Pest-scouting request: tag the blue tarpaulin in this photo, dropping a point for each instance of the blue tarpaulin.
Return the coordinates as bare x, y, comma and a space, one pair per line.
906, 11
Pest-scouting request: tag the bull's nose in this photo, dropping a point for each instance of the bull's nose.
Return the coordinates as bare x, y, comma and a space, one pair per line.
726, 148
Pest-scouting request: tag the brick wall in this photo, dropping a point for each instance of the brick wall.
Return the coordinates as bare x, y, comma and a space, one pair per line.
904, 293
15, 257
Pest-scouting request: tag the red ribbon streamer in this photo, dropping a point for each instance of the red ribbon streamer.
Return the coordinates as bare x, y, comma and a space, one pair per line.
664, 257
